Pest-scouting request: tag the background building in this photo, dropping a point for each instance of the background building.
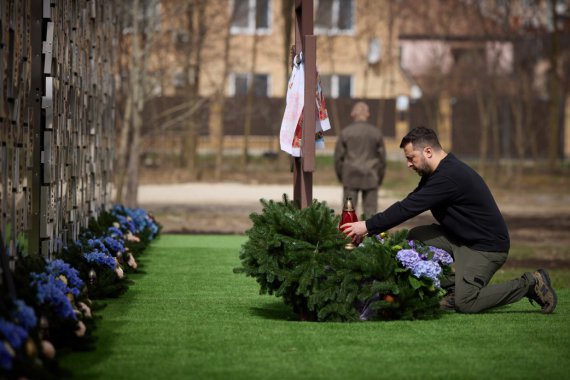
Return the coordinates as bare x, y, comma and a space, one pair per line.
485, 74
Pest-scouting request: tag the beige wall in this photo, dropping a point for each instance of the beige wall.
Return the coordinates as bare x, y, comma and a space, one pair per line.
336, 54
347, 54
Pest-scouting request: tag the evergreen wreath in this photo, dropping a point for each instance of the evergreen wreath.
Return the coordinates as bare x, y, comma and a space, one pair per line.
299, 255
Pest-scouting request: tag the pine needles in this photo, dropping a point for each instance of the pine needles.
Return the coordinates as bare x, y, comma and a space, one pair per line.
298, 254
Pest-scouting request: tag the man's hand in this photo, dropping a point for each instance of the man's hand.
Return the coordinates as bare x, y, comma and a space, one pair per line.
356, 230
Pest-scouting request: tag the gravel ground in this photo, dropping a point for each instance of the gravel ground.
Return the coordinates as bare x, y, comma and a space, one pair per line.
538, 223
225, 208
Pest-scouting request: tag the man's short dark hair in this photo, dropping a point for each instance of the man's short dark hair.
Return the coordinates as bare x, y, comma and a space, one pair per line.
420, 137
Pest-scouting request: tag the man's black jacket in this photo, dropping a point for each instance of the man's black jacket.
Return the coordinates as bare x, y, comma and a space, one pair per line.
459, 200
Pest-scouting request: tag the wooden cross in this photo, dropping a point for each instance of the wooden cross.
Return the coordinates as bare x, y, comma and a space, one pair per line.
306, 42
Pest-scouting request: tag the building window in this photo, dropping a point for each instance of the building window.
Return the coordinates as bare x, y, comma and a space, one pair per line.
334, 17
239, 84
250, 16
337, 86
468, 56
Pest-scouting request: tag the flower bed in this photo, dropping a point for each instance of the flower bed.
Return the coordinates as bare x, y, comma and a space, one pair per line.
299, 255
52, 305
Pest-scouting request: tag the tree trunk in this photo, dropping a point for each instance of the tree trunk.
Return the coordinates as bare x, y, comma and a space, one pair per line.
333, 104
518, 116
287, 8
554, 93
123, 152
196, 29
217, 131
123, 120
495, 130
218, 105
249, 103
130, 199
484, 143
131, 196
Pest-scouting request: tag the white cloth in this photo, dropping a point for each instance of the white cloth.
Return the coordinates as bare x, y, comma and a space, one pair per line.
293, 109
292, 123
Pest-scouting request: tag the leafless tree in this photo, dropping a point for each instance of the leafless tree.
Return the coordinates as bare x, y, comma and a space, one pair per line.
142, 19
218, 101
554, 90
249, 101
196, 30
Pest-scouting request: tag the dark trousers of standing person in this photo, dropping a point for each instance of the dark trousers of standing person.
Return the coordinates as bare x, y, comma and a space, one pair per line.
369, 200
473, 271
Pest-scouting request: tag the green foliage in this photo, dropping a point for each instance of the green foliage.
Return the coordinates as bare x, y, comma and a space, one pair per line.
299, 254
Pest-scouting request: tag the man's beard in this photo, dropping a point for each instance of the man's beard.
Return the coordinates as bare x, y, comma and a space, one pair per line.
424, 170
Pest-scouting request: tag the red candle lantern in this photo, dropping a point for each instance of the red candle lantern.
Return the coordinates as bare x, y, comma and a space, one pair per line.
348, 216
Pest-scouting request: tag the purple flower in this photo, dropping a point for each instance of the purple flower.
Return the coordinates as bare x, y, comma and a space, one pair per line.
441, 256
427, 268
408, 257
421, 265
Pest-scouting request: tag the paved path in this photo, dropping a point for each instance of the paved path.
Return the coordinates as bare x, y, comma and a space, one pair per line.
225, 207
228, 194
239, 194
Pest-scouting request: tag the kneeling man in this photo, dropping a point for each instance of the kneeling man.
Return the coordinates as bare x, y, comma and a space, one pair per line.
470, 227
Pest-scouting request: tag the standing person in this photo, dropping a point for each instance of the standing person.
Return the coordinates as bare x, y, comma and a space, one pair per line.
360, 160
470, 227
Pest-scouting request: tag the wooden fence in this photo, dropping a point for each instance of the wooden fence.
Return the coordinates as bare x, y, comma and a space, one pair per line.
56, 120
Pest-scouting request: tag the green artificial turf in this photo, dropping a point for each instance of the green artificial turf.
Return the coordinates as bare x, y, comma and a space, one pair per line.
191, 317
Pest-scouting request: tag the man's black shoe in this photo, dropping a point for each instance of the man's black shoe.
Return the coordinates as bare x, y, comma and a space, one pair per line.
542, 292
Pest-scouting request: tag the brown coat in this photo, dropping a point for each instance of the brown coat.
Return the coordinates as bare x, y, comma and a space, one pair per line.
360, 156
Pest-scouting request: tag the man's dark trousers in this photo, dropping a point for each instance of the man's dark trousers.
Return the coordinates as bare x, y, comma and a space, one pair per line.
473, 271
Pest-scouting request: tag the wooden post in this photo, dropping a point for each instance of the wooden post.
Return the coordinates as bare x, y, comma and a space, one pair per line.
306, 42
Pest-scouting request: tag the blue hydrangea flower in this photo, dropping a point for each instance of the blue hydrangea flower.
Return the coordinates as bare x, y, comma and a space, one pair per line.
114, 244
421, 265
441, 256
24, 315
153, 229
134, 220
408, 257
97, 245
52, 291
126, 224
14, 334
427, 268
6, 357
114, 232
59, 267
100, 258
